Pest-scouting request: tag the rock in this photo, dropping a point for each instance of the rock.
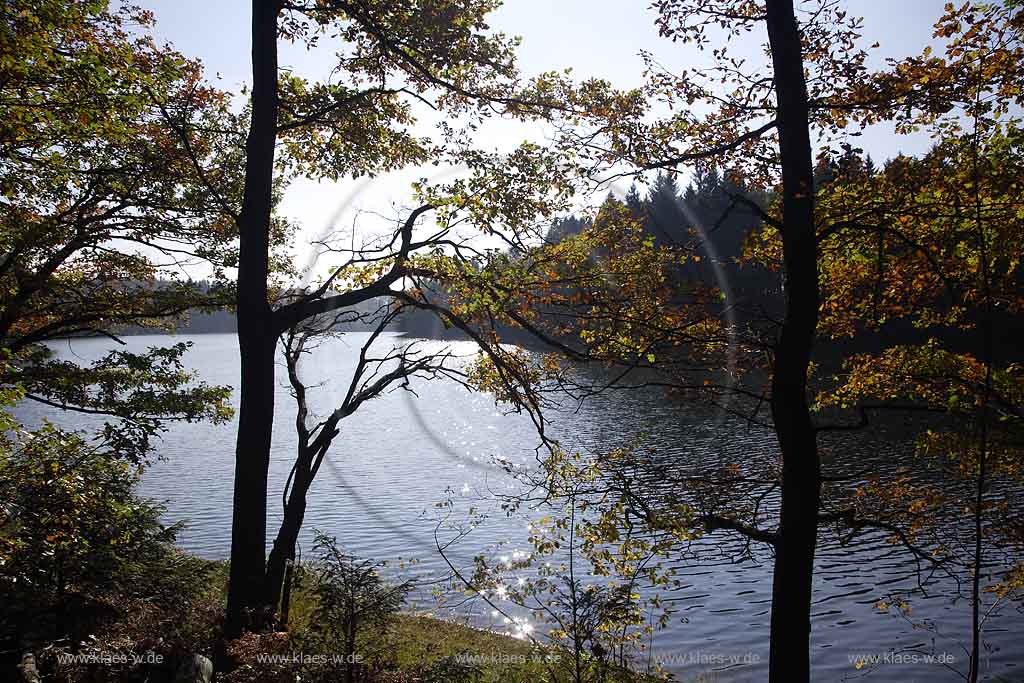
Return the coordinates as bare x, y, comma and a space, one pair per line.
194, 669
152, 667
27, 669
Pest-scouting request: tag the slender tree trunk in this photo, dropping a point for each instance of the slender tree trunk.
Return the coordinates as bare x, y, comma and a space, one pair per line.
987, 331
978, 559
256, 340
283, 551
801, 469
286, 595
350, 649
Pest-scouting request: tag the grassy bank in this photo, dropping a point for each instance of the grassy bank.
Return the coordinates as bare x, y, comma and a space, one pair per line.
129, 636
418, 647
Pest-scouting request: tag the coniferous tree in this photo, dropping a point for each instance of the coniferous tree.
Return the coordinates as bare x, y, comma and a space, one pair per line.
667, 222
635, 203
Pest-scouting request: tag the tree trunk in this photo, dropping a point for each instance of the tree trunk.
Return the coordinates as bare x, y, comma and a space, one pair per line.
801, 469
987, 331
283, 551
350, 649
256, 339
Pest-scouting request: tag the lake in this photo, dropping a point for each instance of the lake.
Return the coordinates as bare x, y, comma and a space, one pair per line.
402, 453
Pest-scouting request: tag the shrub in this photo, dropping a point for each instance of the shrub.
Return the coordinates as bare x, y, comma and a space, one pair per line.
354, 605
85, 563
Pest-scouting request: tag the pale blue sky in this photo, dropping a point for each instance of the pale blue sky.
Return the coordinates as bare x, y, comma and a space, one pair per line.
595, 39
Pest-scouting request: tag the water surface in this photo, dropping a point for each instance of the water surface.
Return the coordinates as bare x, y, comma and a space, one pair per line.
401, 454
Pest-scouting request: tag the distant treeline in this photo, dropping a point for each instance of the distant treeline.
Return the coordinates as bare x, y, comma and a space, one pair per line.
705, 213
711, 215
715, 217
219, 320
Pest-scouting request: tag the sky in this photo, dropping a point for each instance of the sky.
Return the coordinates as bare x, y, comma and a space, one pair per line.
596, 38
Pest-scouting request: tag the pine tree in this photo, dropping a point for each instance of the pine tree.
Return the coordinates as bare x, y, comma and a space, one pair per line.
667, 222
635, 203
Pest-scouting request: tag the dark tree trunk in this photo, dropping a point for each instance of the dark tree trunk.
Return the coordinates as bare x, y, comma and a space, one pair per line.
350, 649
256, 337
801, 470
283, 551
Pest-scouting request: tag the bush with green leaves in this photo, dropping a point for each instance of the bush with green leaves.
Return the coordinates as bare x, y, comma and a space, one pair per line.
76, 544
354, 606
454, 669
